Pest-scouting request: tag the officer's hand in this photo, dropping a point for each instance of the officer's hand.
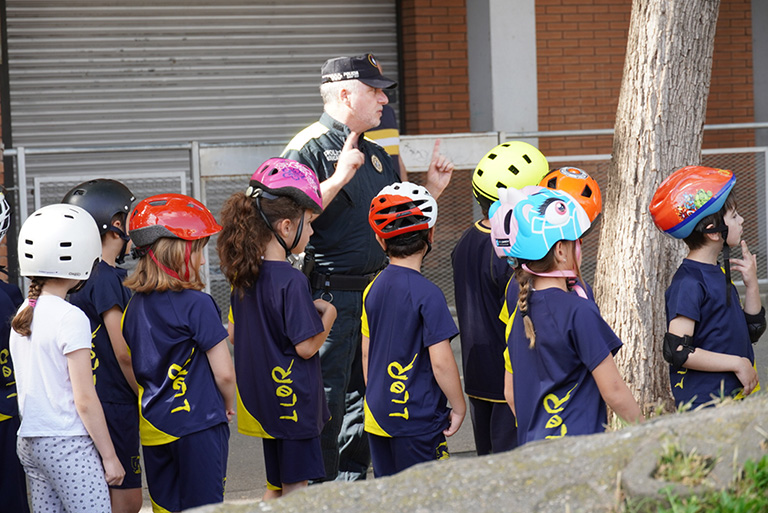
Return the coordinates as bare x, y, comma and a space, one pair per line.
350, 160
439, 172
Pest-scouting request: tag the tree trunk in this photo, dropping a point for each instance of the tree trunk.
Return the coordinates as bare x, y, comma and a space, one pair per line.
659, 128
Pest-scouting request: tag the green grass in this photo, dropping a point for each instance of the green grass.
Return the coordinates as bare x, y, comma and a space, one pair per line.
748, 494
677, 466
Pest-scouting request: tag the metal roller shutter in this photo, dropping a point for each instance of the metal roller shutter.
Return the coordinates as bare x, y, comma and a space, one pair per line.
86, 73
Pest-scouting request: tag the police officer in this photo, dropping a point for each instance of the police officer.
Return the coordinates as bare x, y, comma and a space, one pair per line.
352, 170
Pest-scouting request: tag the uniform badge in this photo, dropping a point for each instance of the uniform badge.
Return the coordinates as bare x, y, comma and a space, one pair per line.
377, 163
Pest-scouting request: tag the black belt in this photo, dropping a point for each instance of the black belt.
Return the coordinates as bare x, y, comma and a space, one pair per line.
320, 281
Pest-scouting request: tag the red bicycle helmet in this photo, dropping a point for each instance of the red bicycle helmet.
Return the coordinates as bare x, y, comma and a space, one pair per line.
402, 208
578, 184
170, 215
689, 195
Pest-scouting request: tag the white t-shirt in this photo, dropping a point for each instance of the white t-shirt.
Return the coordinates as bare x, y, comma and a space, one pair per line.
46, 402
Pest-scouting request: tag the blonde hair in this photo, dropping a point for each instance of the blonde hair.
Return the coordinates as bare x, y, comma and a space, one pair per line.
150, 277
525, 280
22, 322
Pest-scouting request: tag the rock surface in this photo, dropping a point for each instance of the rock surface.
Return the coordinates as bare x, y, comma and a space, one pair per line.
588, 473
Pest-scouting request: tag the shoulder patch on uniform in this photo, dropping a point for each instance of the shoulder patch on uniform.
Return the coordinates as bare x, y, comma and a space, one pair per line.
313, 131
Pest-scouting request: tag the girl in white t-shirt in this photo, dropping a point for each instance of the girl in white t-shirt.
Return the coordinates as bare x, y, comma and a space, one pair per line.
63, 442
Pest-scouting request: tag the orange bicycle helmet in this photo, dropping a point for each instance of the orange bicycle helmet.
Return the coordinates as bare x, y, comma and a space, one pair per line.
402, 208
170, 215
582, 187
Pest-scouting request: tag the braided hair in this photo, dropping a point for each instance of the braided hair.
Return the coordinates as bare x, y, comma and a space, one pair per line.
22, 323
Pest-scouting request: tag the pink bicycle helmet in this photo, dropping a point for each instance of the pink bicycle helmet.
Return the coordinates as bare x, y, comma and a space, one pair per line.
283, 177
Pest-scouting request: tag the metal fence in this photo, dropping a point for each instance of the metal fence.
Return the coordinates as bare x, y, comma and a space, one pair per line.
215, 171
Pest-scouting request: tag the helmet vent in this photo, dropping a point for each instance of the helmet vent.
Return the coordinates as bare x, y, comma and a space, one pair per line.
479, 172
500, 185
65, 244
527, 158
491, 156
508, 221
65, 258
28, 255
514, 170
552, 183
79, 192
28, 242
587, 192
69, 216
158, 203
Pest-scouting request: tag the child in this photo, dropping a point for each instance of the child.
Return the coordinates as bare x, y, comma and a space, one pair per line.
278, 329
710, 336
560, 349
179, 353
408, 363
480, 281
51, 348
13, 483
103, 299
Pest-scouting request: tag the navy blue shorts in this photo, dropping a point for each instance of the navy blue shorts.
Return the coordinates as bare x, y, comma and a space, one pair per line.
13, 481
393, 455
190, 471
292, 461
123, 425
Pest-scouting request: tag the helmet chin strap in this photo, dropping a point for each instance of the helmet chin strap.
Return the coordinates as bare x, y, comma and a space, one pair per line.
257, 196
125, 238
723, 231
571, 278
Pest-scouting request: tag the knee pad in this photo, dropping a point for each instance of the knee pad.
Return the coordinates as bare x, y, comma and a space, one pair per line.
755, 324
676, 349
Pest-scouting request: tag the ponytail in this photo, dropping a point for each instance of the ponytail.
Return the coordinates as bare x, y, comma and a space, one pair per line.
525, 279
242, 242
22, 323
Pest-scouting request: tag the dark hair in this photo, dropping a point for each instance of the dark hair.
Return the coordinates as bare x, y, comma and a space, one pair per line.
407, 244
698, 238
243, 240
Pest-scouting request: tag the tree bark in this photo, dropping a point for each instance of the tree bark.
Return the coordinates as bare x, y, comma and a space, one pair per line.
659, 128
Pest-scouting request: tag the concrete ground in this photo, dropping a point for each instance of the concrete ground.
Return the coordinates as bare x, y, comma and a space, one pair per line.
245, 473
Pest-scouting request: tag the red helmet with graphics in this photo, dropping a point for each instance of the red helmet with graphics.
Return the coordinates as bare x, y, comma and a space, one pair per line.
170, 215
687, 196
402, 208
582, 187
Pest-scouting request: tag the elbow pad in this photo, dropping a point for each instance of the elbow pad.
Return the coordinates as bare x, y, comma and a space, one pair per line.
677, 349
755, 324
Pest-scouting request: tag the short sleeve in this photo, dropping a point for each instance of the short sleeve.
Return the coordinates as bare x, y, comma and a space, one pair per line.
437, 321
684, 297
204, 320
301, 318
74, 332
364, 329
109, 293
592, 338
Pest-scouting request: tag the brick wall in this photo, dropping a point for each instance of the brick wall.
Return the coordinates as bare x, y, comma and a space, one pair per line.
580, 53
435, 79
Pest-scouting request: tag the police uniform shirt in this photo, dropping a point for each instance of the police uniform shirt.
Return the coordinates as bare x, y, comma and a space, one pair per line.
168, 334
698, 292
403, 314
555, 393
10, 300
103, 291
480, 279
343, 242
280, 394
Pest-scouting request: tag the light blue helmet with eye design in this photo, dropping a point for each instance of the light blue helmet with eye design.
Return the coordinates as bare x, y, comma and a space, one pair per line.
526, 223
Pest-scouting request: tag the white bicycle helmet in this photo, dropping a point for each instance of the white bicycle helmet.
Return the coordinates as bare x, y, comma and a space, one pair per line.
59, 241
402, 208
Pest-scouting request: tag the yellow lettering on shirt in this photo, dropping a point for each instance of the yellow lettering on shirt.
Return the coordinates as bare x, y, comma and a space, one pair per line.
554, 405
283, 378
398, 387
177, 374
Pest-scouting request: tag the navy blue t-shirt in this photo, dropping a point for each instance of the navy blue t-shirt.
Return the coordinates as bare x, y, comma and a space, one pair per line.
555, 393
480, 279
10, 300
103, 291
403, 315
280, 394
168, 334
698, 292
